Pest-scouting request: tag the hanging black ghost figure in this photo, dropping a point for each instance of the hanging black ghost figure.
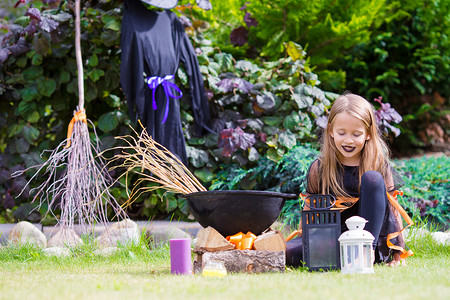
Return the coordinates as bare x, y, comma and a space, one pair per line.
154, 42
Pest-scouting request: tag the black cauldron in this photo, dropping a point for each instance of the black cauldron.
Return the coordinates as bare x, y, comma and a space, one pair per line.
230, 212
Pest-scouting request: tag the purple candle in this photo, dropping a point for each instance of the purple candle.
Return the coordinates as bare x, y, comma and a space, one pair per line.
180, 256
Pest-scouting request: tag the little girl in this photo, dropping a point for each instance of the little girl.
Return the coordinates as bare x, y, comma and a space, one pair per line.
354, 167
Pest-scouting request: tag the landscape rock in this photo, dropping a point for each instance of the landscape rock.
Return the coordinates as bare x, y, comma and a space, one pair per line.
57, 251
26, 233
80, 230
158, 231
65, 237
415, 233
442, 238
120, 233
192, 228
159, 235
105, 252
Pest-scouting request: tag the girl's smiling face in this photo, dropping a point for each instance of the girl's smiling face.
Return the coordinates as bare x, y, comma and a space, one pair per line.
349, 135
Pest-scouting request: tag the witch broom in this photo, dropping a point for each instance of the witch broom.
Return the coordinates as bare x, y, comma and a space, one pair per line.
83, 186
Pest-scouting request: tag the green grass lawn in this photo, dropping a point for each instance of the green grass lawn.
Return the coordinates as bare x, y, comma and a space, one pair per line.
137, 273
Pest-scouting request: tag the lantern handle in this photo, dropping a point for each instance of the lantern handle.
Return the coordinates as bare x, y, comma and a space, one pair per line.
320, 196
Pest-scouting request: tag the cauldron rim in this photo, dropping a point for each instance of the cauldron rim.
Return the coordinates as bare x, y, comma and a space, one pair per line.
231, 211
244, 192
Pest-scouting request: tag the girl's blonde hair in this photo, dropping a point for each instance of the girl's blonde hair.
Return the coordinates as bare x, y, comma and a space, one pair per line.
374, 155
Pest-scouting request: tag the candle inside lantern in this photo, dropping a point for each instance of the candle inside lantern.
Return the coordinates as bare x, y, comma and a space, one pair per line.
180, 256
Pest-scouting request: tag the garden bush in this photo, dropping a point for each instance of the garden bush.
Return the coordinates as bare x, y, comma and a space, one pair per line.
395, 49
263, 107
427, 189
407, 62
39, 86
286, 176
259, 109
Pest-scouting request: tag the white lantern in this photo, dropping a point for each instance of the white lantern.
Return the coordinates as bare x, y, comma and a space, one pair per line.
356, 247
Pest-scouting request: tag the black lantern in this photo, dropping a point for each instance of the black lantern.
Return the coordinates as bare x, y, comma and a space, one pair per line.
321, 229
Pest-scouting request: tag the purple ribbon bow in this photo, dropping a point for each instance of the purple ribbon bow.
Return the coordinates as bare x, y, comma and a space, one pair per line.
153, 83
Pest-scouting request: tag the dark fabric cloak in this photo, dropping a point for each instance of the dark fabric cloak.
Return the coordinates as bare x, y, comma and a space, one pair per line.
155, 42
350, 175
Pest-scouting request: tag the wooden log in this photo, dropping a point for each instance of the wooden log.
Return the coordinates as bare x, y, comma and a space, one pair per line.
270, 241
247, 261
210, 240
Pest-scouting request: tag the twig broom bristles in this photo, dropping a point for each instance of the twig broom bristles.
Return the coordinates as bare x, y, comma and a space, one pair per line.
167, 172
83, 185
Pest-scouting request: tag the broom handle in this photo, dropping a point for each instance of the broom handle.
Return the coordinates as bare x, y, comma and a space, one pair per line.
78, 55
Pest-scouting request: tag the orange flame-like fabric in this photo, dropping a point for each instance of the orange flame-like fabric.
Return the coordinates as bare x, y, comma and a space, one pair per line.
242, 241
346, 202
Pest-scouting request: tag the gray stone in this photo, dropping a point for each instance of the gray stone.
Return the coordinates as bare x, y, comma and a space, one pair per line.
120, 233
80, 230
161, 234
415, 233
442, 238
57, 251
5, 229
26, 233
191, 228
65, 237
105, 252
160, 230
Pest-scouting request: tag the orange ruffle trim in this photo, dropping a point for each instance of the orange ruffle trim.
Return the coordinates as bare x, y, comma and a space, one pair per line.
343, 203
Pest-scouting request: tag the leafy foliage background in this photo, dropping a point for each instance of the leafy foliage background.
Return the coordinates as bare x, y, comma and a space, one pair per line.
261, 62
396, 49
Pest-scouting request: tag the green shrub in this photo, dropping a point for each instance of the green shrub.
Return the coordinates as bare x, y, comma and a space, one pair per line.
259, 109
38, 86
286, 176
427, 189
395, 49
407, 61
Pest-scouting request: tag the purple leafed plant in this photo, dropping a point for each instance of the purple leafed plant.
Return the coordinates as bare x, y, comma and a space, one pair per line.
233, 138
204, 4
385, 116
230, 84
322, 122
239, 36
249, 20
37, 19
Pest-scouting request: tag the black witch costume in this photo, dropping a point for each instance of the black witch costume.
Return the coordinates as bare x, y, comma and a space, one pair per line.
389, 238
154, 43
